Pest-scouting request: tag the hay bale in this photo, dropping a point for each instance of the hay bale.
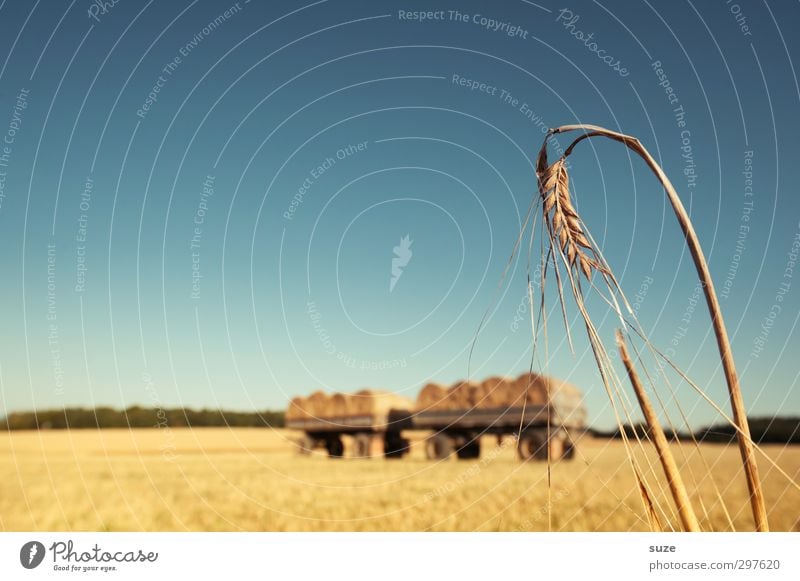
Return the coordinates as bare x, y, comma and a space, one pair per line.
564, 393
533, 387
297, 409
362, 402
460, 395
431, 395
367, 402
494, 392
497, 391
463, 394
316, 404
378, 402
339, 405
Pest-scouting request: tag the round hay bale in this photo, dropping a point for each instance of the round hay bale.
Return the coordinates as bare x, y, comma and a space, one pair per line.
460, 395
378, 402
361, 402
297, 409
339, 405
532, 388
430, 396
463, 394
497, 391
564, 393
383, 401
367, 402
317, 404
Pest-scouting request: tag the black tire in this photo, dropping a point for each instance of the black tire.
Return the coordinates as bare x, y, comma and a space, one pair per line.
362, 444
569, 450
439, 447
470, 450
305, 445
532, 446
335, 447
394, 445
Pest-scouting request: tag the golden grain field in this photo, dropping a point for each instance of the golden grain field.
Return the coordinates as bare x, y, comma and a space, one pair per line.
215, 479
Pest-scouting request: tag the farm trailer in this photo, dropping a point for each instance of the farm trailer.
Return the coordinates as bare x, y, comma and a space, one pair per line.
460, 431
367, 431
454, 431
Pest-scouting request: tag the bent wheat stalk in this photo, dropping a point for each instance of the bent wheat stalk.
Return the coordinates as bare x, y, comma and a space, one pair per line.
581, 258
676, 485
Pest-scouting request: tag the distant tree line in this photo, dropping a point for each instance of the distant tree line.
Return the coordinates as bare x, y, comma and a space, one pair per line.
778, 430
138, 417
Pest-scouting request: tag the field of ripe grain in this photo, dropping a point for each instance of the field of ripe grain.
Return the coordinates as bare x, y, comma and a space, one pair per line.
250, 479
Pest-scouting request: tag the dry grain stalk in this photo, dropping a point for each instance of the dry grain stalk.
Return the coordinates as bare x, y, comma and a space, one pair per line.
676, 485
572, 244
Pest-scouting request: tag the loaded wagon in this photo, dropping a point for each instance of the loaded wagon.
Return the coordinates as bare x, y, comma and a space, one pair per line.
374, 419
545, 416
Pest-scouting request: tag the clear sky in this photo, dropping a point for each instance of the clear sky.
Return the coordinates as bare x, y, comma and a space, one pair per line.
200, 201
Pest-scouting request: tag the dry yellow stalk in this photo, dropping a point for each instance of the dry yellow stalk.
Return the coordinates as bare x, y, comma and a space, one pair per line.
554, 180
652, 514
676, 486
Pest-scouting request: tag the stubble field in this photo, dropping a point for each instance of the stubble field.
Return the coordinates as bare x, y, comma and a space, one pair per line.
250, 479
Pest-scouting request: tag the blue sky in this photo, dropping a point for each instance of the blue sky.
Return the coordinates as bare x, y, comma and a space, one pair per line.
251, 172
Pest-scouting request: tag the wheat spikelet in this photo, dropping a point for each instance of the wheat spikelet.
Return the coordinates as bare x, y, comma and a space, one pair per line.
564, 224
571, 243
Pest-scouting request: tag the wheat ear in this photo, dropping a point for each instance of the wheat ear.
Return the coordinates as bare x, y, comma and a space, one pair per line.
553, 180
563, 222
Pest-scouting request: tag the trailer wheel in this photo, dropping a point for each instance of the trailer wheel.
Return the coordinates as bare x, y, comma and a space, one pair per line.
569, 449
335, 447
439, 447
394, 445
470, 450
363, 445
532, 446
305, 445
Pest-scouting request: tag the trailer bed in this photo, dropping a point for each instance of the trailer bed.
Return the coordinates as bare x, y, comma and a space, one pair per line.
335, 424
503, 418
